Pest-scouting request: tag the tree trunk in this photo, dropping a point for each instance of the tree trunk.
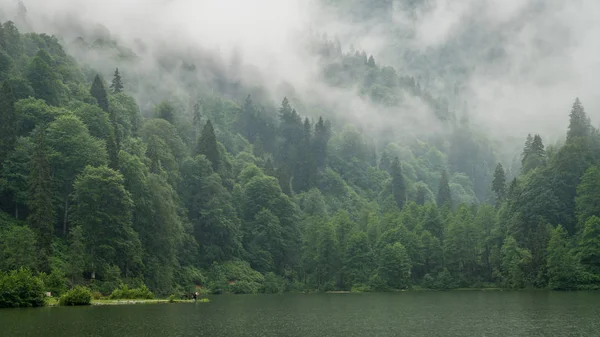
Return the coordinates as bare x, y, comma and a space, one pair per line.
17, 210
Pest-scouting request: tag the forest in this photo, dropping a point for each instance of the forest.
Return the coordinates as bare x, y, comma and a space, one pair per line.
229, 192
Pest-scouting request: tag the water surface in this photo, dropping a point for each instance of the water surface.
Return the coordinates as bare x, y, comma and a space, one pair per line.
432, 314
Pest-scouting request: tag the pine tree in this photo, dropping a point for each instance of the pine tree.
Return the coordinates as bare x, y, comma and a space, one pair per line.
8, 121
99, 93
207, 145
42, 215
527, 147
112, 142
321, 139
398, 183
444, 197
499, 183
579, 123
117, 83
534, 155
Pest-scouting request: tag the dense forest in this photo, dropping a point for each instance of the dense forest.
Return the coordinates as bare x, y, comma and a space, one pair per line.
100, 188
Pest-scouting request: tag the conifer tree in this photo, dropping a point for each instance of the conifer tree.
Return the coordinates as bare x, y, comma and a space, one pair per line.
579, 123
499, 183
398, 183
444, 197
41, 198
321, 139
534, 155
112, 143
8, 121
99, 93
207, 145
117, 83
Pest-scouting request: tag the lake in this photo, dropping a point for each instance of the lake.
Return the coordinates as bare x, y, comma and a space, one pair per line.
457, 313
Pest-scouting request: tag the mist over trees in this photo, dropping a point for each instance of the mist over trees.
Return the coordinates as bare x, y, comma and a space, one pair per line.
107, 179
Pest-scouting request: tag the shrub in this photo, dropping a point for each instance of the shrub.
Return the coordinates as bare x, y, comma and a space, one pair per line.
172, 298
76, 296
123, 292
20, 288
97, 295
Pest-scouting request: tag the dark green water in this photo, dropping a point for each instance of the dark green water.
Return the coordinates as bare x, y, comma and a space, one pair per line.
459, 313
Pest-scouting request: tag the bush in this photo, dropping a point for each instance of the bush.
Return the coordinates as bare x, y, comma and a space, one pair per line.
20, 288
97, 295
123, 292
172, 298
76, 296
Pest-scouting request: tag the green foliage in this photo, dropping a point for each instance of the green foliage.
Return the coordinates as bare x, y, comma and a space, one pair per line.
8, 121
17, 247
76, 296
123, 292
265, 199
563, 267
20, 288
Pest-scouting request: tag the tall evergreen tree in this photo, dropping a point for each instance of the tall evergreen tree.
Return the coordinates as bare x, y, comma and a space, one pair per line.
398, 183
444, 197
8, 121
117, 83
112, 144
41, 199
99, 93
321, 139
534, 155
499, 183
579, 122
207, 145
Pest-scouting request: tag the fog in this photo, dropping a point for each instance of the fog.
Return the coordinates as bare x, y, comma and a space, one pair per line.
544, 53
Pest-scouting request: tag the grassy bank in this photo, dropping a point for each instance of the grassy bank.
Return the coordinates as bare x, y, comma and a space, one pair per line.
52, 302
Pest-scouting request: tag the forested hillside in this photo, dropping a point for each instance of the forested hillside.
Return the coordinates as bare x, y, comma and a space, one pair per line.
107, 180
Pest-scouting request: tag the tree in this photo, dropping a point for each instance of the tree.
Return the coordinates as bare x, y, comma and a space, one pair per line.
579, 122
534, 155
588, 194
321, 139
43, 80
8, 122
207, 145
444, 197
112, 144
398, 183
117, 83
166, 111
394, 266
358, 260
589, 245
99, 93
41, 194
499, 184
563, 267
103, 207
72, 150
514, 263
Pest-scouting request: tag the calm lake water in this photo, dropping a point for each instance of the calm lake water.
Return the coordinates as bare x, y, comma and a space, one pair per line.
459, 313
